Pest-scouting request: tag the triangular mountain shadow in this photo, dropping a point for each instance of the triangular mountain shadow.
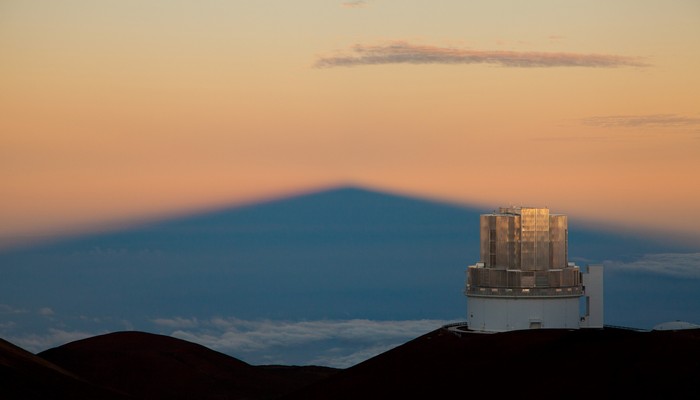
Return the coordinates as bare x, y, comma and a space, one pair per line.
342, 253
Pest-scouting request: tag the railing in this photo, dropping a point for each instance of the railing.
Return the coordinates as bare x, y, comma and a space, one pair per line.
574, 291
514, 278
628, 328
460, 323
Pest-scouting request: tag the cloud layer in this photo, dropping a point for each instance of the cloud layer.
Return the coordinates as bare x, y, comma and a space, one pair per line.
354, 4
54, 337
406, 53
681, 265
335, 343
640, 121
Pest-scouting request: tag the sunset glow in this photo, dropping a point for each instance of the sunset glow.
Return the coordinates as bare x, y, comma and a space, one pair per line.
117, 111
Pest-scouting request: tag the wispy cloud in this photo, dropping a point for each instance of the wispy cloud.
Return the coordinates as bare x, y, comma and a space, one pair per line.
681, 265
7, 309
177, 322
355, 4
350, 341
337, 357
642, 121
54, 337
401, 52
46, 311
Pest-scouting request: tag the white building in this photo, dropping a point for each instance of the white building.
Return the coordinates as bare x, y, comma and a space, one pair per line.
524, 280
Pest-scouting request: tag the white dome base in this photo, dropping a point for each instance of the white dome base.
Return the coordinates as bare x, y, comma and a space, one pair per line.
500, 314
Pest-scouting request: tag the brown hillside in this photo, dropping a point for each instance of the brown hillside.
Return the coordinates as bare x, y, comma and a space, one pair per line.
23, 375
539, 364
151, 366
522, 364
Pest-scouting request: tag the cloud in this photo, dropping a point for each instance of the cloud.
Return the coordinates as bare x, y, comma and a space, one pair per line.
405, 53
680, 265
355, 4
177, 322
336, 343
55, 337
46, 311
7, 325
7, 309
336, 359
242, 335
642, 121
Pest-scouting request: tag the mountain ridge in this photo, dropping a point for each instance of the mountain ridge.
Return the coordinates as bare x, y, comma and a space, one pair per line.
442, 362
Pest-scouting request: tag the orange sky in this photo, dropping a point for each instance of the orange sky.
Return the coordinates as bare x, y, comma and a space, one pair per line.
113, 111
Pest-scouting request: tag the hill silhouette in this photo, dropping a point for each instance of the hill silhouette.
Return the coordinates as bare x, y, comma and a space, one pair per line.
24, 375
150, 366
543, 364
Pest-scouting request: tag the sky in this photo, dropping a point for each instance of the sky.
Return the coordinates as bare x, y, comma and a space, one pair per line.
119, 111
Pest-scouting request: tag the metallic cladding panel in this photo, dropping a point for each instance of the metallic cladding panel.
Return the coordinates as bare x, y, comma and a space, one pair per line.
542, 238
534, 241
484, 225
530, 239
503, 240
517, 239
527, 240
554, 278
513, 278
558, 240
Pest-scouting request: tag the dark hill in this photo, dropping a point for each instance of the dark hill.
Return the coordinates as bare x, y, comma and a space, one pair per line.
24, 375
538, 364
150, 366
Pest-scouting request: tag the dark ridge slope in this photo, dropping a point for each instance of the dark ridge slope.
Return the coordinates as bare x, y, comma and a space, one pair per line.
521, 364
24, 375
524, 364
151, 366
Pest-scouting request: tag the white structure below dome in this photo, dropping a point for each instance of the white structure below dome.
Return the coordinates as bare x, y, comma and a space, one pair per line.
515, 313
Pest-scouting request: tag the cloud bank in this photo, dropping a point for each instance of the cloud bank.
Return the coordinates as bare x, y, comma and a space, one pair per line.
8, 309
680, 265
406, 53
641, 121
54, 337
335, 343
177, 322
354, 4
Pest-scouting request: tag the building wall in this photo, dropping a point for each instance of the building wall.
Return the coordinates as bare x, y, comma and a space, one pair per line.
492, 314
558, 239
593, 289
534, 239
